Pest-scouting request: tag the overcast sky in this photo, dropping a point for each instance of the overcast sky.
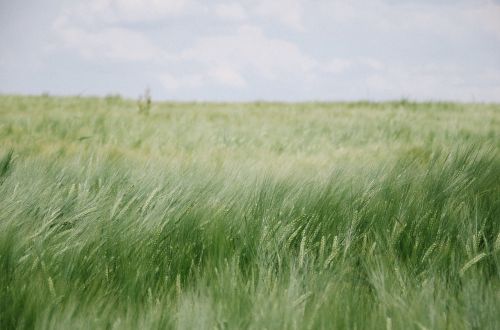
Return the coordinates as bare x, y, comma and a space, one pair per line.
253, 50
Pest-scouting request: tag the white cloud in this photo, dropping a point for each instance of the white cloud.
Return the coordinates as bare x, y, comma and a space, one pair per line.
486, 17
287, 12
342, 65
434, 82
232, 11
248, 49
111, 43
228, 59
337, 65
371, 63
96, 30
97, 12
269, 43
436, 18
173, 82
227, 76
115, 11
223, 76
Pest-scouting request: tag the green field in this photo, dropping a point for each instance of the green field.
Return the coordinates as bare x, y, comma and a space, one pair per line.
248, 216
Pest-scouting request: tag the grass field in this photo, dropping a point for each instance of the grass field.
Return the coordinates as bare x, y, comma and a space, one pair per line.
260, 216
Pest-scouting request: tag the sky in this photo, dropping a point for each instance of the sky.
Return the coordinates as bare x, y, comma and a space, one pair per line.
268, 50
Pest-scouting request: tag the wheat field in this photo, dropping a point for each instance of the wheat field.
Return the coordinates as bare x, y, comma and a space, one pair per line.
248, 215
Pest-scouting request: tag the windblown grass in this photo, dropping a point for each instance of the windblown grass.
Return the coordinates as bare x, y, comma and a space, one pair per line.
260, 216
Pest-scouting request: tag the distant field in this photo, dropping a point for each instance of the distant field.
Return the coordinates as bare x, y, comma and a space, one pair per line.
248, 216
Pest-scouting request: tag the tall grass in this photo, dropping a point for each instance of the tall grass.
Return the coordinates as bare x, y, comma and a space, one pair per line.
321, 225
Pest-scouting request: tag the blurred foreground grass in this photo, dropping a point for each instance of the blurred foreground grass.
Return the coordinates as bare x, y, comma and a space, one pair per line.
261, 216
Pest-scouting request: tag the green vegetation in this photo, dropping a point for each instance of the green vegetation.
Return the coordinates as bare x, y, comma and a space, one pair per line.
260, 216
